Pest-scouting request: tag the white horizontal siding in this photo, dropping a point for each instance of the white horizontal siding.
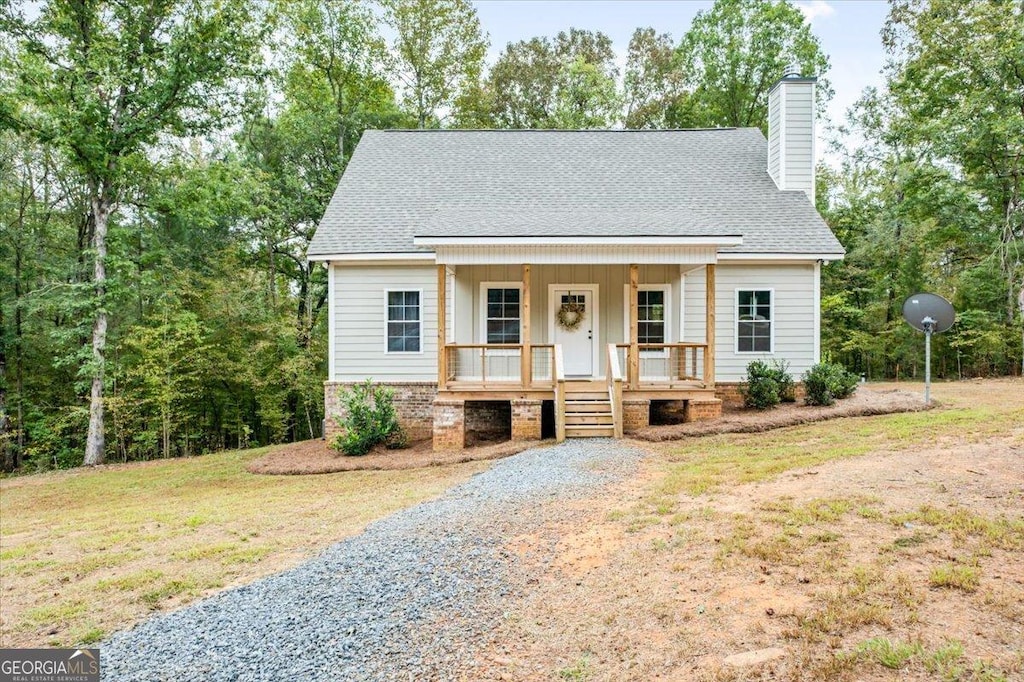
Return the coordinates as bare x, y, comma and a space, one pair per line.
774, 133
791, 136
359, 315
794, 324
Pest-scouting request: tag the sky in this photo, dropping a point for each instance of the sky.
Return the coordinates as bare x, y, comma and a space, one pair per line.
848, 31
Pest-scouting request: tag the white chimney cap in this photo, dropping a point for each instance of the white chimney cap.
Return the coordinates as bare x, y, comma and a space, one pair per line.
792, 71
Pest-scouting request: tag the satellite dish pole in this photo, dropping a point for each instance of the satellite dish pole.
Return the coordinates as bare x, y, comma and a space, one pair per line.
929, 324
930, 314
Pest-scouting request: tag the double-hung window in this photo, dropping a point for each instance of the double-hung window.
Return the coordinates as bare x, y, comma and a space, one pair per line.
754, 321
405, 322
651, 316
503, 317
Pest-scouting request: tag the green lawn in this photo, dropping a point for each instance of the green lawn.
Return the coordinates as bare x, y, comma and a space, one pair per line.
86, 552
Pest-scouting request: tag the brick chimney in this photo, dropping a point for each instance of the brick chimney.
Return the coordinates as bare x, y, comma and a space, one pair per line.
791, 132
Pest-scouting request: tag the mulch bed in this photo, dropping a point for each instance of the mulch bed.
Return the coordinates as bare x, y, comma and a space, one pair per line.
864, 403
315, 457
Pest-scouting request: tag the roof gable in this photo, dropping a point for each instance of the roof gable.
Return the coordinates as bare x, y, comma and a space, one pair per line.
537, 183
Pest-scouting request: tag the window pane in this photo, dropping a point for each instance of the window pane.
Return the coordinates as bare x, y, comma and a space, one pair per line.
503, 315
763, 344
403, 326
746, 298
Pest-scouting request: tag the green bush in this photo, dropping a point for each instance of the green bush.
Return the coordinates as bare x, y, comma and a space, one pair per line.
370, 418
827, 382
761, 389
787, 387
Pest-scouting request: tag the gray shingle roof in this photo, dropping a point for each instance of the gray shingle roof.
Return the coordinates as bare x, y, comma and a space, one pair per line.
529, 183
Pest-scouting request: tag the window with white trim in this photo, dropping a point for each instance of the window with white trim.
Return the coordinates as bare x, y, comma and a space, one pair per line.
504, 316
754, 321
651, 315
405, 329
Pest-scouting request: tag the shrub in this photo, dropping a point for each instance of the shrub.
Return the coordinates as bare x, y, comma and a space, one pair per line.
787, 387
761, 389
827, 382
370, 418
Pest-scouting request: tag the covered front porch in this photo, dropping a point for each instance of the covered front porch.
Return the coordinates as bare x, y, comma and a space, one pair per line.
600, 341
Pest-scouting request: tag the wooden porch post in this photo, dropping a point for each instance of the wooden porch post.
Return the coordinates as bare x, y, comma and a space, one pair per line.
709, 333
526, 371
633, 362
442, 326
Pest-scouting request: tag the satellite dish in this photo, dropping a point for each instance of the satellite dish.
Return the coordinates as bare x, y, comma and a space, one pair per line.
924, 310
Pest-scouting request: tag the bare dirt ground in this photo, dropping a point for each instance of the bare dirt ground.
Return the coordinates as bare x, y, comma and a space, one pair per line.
867, 401
315, 457
897, 554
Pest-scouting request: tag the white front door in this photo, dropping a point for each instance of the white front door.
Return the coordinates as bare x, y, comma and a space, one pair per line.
578, 343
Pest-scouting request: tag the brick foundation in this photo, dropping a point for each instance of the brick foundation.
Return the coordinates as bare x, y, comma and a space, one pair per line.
526, 419
702, 410
449, 425
636, 414
414, 403
729, 393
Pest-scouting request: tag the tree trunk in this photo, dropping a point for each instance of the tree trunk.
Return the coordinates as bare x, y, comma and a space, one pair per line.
6, 451
94, 443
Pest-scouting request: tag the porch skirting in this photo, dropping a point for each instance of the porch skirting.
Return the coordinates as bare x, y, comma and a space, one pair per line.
447, 419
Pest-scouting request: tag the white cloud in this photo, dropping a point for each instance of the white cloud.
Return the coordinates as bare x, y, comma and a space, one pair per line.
815, 9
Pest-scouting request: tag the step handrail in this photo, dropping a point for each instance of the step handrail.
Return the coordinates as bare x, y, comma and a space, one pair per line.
614, 375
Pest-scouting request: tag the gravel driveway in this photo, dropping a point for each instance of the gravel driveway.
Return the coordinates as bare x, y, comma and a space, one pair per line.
410, 598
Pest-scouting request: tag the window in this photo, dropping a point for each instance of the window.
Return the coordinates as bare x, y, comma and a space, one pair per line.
754, 321
651, 316
503, 319
654, 314
404, 328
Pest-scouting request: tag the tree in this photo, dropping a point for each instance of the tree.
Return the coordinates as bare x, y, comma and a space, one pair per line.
958, 74
439, 50
103, 81
522, 84
654, 85
587, 97
735, 52
566, 83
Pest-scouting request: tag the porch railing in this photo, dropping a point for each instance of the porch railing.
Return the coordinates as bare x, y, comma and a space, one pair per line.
499, 365
665, 363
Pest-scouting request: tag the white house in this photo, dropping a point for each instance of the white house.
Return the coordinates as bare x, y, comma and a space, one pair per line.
573, 280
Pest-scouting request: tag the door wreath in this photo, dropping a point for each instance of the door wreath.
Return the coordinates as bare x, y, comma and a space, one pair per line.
570, 315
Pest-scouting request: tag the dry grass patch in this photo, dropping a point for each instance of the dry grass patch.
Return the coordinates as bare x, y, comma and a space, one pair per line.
874, 548
84, 553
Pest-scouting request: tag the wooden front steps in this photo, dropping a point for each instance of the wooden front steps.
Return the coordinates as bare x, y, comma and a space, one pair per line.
588, 410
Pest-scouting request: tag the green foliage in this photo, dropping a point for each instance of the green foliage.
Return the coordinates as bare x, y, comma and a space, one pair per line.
569, 82
440, 49
761, 389
734, 53
369, 419
827, 382
784, 380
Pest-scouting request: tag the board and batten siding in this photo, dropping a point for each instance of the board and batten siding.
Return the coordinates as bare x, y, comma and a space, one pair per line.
793, 303
358, 312
611, 281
